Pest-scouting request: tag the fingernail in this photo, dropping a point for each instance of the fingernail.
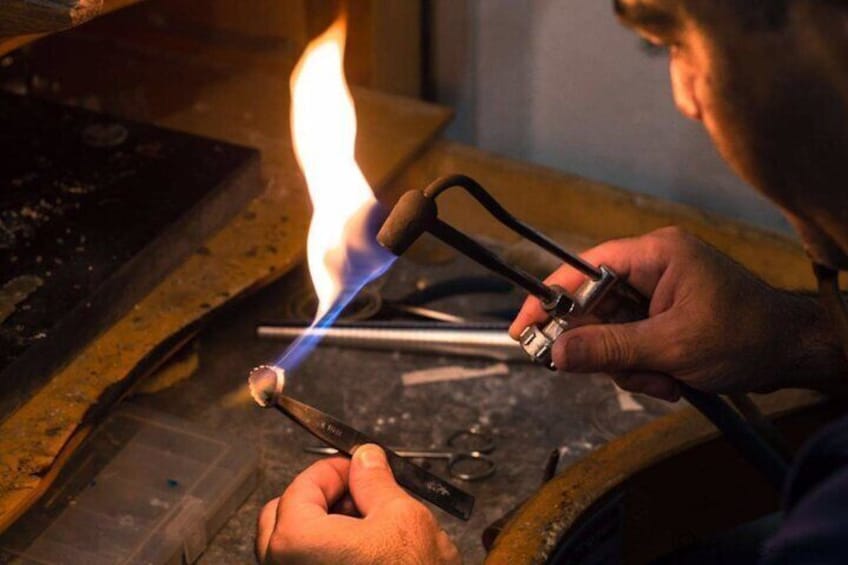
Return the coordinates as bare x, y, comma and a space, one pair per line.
370, 456
576, 353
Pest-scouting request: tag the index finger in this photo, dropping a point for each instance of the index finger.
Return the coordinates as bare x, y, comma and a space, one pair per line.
312, 493
620, 255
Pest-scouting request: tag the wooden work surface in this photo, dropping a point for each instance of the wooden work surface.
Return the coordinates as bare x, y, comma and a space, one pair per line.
227, 93
23, 21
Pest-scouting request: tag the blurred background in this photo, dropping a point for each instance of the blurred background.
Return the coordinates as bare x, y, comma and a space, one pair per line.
562, 84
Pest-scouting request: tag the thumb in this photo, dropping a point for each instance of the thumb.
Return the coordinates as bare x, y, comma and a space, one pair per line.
372, 484
611, 348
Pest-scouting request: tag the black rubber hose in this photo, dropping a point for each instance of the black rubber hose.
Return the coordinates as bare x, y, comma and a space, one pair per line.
739, 433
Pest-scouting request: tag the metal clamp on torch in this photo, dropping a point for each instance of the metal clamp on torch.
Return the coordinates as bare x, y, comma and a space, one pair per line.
537, 341
603, 296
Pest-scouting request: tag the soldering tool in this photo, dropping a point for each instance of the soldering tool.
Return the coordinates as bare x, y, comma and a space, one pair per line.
602, 296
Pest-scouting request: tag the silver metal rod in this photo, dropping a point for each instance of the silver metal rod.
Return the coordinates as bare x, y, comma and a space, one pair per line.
411, 453
488, 343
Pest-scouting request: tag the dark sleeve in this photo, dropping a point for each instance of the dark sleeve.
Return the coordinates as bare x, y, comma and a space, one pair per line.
815, 525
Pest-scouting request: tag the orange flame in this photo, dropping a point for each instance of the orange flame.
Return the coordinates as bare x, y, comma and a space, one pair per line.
323, 123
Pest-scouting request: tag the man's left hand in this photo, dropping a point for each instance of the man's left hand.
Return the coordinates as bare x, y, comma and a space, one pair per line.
350, 511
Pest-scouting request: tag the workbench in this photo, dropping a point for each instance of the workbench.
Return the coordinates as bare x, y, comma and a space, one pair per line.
236, 91
529, 411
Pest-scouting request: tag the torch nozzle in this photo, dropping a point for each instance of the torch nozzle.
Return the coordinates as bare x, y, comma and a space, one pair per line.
416, 213
410, 217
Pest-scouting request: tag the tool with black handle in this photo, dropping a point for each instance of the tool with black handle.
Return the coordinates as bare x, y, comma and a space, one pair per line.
266, 386
603, 296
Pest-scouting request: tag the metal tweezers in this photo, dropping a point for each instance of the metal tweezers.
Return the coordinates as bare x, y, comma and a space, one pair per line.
410, 476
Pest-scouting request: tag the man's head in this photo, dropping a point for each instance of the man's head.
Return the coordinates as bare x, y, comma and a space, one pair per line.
769, 81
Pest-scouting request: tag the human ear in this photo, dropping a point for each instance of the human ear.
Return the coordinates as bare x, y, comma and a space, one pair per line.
683, 89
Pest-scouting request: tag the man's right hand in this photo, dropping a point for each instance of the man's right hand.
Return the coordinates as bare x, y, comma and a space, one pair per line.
711, 324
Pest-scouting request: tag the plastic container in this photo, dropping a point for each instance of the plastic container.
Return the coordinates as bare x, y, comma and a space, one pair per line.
145, 488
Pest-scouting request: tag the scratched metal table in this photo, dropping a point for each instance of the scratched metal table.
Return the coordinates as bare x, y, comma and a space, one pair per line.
528, 410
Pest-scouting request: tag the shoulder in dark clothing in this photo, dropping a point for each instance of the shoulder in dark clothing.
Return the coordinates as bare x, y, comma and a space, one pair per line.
815, 525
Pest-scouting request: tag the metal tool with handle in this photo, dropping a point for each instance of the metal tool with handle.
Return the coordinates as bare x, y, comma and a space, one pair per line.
346, 439
466, 454
537, 340
266, 384
603, 295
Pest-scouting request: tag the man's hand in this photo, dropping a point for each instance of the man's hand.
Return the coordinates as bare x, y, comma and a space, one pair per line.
711, 324
350, 511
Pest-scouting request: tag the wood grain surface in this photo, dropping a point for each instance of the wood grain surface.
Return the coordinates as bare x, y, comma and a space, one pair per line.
22, 21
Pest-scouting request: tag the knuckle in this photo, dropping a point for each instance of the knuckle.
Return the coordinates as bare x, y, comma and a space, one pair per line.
672, 232
287, 547
673, 243
265, 520
449, 553
417, 528
617, 349
676, 351
269, 506
415, 514
280, 546
419, 513
656, 244
672, 238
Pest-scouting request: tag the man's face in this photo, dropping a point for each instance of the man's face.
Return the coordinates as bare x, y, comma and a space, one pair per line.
773, 98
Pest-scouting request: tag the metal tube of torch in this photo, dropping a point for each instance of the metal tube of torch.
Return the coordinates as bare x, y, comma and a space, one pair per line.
486, 258
452, 339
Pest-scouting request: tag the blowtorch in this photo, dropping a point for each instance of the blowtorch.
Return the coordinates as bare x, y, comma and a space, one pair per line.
603, 295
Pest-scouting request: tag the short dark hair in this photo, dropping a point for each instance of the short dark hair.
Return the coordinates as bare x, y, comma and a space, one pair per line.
753, 14
762, 13
759, 14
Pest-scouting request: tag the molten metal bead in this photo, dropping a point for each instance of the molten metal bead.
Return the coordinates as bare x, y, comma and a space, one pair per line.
266, 383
